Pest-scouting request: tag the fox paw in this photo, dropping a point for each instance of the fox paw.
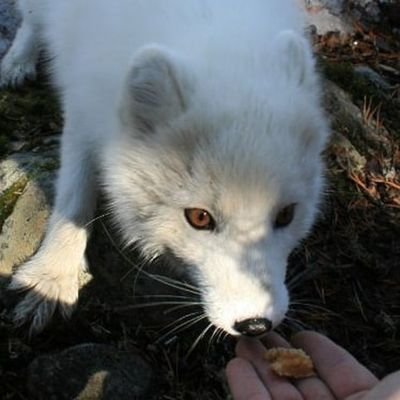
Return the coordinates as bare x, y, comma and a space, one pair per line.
47, 287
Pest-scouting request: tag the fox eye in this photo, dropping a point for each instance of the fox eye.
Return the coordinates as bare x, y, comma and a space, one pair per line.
200, 219
285, 216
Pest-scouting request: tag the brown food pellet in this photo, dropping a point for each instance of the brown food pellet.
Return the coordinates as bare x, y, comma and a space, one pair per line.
290, 363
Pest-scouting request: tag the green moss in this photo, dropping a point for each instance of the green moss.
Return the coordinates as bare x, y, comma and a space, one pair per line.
49, 165
9, 198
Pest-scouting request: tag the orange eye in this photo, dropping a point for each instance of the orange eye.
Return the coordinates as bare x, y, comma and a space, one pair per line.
285, 216
200, 219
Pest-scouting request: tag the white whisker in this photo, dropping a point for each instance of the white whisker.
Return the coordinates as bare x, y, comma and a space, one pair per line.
164, 296
168, 281
92, 221
214, 335
183, 326
183, 305
299, 304
196, 342
152, 304
295, 278
186, 316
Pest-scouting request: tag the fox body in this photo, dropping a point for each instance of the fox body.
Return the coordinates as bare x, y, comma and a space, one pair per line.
203, 120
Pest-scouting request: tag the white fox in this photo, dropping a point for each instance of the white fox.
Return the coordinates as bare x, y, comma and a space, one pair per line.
202, 119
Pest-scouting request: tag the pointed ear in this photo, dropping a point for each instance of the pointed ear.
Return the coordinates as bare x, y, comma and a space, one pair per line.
295, 58
155, 90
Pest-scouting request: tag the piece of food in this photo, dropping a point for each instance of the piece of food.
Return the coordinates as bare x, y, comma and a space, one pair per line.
290, 363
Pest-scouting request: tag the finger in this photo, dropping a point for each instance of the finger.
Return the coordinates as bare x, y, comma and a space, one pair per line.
273, 339
279, 388
311, 388
244, 382
341, 372
388, 389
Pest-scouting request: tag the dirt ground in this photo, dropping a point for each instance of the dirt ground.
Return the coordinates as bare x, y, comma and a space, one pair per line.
344, 279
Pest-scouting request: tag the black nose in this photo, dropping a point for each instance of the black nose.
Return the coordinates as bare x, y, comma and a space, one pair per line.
253, 326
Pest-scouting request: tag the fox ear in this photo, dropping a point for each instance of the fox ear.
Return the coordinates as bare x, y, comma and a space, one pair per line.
154, 89
295, 57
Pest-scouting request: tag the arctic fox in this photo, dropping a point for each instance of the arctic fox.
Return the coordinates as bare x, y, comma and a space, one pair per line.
203, 120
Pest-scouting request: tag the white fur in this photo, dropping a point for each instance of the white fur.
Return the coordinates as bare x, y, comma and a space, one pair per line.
200, 103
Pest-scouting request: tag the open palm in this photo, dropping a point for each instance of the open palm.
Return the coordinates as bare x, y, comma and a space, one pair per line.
339, 375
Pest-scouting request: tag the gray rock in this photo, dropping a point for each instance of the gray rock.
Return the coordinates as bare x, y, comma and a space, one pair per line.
326, 15
357, 132
25, 227
373, 77
38, 166
342, 111
339, 15
9, 21
90, 371
369, 8
334, 6
27, 178
375, 11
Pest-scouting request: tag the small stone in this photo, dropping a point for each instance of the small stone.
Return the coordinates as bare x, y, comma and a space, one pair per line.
90, 371
373, 77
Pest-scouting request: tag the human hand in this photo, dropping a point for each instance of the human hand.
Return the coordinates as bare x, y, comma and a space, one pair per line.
339, 375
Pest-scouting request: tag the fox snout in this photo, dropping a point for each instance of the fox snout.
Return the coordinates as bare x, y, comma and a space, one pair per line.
244, 303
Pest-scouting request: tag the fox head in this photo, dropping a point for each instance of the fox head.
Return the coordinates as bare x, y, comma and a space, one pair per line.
220, 164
